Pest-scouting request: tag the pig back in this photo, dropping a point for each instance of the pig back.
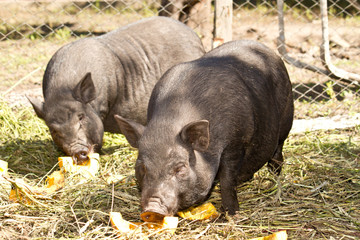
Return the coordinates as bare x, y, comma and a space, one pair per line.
263, 78
125, 64
242, 88
145, 50
156, 42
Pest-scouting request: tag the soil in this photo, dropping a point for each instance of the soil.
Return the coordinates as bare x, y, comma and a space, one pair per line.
24, 61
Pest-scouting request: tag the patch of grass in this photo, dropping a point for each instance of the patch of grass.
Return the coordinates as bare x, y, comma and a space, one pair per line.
330, 90
350, 19
63, 34
27, 146
317, 196
347, 62
21, 57
314, 109
25, 141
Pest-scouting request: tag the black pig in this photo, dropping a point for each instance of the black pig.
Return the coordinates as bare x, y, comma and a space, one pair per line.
88, 81
225, 114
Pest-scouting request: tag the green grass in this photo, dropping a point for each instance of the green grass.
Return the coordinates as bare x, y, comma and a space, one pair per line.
317, 196
349, 63
348, 106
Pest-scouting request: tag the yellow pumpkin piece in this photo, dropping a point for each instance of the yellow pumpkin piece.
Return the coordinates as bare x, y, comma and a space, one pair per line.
4, 183
17, 196
3, 167
158, 221
152, 217
170, 223
202, 212
87, 169
122, 225
18, 191
22, 192
281, 235
55, 182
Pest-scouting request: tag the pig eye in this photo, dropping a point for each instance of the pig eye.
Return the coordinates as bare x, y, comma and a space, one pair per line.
180, 170
81, 117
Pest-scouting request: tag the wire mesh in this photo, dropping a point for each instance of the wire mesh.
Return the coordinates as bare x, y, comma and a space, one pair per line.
31, 32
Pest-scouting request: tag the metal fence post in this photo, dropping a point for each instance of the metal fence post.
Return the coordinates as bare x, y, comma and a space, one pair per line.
325, 50
282, 46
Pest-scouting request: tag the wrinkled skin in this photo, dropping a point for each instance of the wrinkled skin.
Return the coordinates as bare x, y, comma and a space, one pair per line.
224, 115
88, 81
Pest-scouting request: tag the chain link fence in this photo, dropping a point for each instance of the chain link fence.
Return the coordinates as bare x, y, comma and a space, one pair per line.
316, 90
31, 32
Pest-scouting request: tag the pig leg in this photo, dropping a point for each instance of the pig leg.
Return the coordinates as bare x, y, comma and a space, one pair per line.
275, 165
228, 182
229, 199
276, 162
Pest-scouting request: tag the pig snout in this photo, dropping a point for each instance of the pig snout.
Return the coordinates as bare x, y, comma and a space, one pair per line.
165, 204
80, 153
80, 156
155, 205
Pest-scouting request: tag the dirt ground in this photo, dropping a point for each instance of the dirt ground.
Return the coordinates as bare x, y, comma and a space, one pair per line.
23, 62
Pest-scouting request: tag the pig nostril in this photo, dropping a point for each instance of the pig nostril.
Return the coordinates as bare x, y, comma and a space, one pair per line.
83, 155
80, 157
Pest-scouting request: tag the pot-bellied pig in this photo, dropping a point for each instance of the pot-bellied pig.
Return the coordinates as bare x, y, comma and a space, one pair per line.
87, 81
224, 115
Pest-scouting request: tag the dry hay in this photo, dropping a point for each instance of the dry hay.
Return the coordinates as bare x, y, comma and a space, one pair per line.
315, 197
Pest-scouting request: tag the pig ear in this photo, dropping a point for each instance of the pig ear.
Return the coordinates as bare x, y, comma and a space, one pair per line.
130, 129
84, 91
38, 106
197, 134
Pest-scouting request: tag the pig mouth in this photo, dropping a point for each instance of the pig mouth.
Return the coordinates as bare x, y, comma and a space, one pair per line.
80, 152
80, 157
150, 216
